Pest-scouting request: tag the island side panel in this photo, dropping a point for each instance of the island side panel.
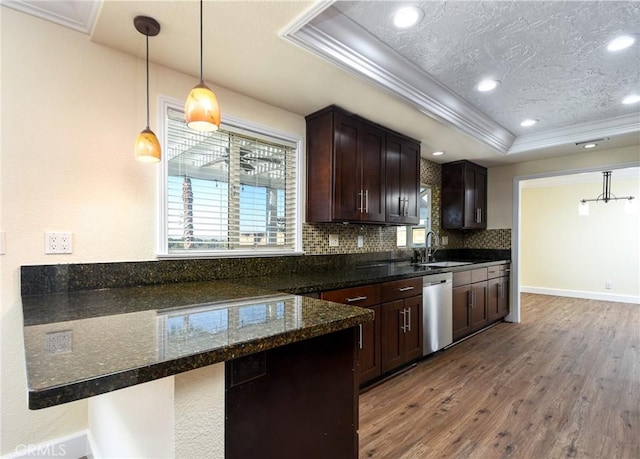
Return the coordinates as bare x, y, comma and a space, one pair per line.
299, 400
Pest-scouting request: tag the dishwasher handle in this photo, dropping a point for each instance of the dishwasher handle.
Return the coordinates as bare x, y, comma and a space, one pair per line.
444, 281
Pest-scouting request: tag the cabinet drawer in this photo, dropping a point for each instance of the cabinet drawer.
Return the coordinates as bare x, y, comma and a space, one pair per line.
398, 290
505, 269
461, 278
494, 271
367, 295
478, 275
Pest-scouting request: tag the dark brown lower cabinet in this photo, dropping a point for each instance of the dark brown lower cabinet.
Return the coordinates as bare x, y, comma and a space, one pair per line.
480, 297
478, 305
367, 296
498, 298
294, 401
369, 363
461, 311
401, 332
469, 302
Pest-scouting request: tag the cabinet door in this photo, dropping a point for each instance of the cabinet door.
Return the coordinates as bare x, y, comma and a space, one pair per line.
493, 294
392, 331
371, 156
464, 196
475, 184
461, 311
347, 174
479, 305
503, 296
369, 357
413, 331
403, 180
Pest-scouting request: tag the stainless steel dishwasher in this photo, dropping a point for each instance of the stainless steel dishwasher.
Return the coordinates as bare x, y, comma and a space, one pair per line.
437, 312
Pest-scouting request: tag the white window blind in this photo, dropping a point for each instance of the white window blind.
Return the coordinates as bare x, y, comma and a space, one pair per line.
229, 190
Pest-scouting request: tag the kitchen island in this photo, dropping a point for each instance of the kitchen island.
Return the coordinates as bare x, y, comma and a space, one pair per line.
86, 343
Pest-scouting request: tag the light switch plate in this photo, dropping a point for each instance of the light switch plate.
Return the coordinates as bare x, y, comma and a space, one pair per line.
360, 241
333, 240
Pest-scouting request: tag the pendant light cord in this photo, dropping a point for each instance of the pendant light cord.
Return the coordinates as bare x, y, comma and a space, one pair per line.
201, 41
147, 81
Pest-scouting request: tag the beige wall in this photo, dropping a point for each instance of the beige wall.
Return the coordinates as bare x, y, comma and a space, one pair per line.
71, 111
564, 253
500, 193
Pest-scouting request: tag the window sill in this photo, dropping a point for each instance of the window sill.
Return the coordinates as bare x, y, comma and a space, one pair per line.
228, 254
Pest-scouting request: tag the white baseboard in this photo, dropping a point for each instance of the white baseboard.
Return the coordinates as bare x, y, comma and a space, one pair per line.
579, 294
74, 446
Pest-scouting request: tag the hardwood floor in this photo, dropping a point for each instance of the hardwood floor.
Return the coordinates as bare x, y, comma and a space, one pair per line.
563, 383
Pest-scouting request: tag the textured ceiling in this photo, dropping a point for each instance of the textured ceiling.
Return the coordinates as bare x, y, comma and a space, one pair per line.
551, 57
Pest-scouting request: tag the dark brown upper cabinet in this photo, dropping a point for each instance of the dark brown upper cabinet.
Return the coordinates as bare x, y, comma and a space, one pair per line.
403, 180
347, 170
464, 195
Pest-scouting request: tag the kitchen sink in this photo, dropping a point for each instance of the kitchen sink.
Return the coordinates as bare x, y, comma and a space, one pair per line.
446, 264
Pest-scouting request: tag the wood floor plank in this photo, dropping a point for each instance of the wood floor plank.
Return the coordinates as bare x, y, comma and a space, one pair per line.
563, 383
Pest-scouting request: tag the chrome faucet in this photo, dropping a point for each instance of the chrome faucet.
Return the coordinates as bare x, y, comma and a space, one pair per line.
431, 249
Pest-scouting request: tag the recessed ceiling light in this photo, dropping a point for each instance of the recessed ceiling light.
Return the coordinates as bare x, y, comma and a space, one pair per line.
407, 16
632, 99
487, 85
438, 153
590, 145
528, 122
620, 43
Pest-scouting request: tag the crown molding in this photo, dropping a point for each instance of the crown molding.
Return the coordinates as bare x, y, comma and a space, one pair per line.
620, 125
339, 40
75, 14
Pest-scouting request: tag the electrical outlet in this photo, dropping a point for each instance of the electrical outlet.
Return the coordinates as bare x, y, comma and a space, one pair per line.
360, 241
58, 243
333, 240
608, 285
444, 240
57, 342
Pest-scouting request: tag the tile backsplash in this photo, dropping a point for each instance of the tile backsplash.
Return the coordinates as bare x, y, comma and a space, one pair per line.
376, 238
315, 237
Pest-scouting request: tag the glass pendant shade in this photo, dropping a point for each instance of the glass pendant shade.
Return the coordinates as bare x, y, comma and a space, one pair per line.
147, 147
201, 110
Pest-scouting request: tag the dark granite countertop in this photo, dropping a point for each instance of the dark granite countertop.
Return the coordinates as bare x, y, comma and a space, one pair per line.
368, 273
126, 336
120, 335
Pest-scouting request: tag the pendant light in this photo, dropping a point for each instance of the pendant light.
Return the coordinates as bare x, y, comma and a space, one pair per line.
201, 110
147, 147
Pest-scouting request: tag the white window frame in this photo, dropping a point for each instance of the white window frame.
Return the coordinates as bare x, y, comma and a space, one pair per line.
428, 190
228, 121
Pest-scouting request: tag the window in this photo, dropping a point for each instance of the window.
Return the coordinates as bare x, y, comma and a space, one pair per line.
232, 192
416, 234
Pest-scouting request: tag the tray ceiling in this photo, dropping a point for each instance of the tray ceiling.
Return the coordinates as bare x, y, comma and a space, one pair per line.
550, 57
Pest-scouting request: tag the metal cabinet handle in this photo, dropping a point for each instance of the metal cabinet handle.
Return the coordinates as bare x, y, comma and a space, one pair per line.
478, 215
404, 320
360, 339
357, 298
361, 195
470, 299
409, 319
366, 201
405, 289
